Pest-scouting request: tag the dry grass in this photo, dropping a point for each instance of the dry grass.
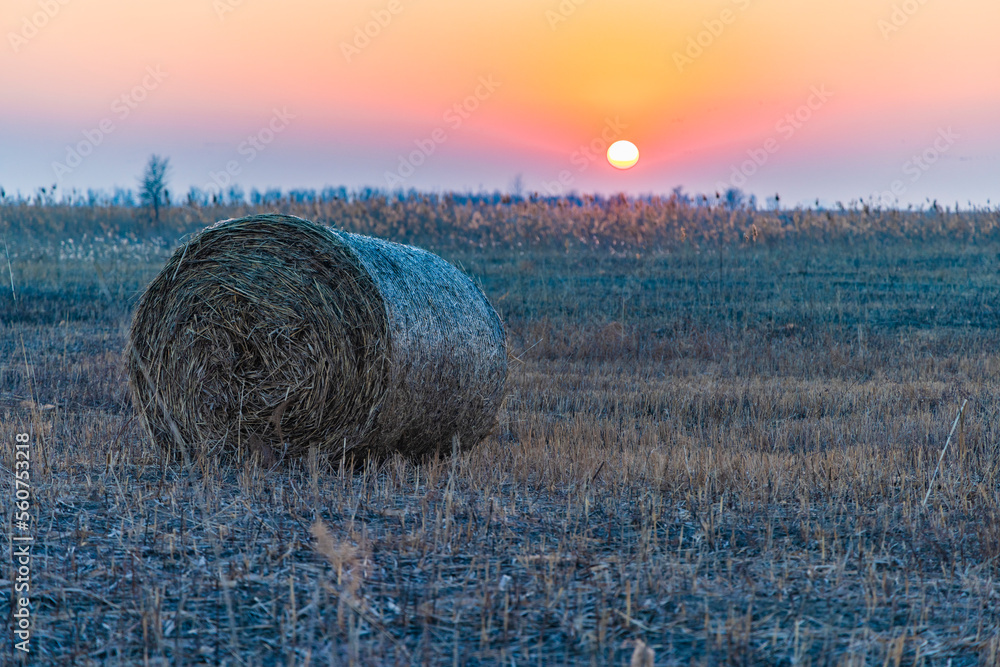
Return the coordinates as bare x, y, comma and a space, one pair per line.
483, 220
272, 335
709, 454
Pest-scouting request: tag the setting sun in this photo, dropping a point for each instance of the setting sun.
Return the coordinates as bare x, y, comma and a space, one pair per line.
623, 154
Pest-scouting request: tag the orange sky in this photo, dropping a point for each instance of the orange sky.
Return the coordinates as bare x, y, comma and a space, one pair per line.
893, 76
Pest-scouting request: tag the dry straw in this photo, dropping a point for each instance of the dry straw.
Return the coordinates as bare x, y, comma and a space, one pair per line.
271, 334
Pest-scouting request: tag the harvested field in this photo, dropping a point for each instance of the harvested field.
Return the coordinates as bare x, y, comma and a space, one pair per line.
714, 446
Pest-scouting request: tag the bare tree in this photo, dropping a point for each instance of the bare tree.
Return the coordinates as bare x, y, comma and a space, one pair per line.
153, 185
734, 199
517, 186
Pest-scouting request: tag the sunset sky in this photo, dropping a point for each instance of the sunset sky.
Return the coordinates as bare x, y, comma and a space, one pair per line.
835, 100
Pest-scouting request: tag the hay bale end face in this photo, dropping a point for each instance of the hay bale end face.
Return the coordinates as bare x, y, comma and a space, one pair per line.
271, 334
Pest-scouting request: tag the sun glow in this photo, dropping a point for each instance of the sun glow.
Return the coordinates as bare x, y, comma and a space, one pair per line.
623, 154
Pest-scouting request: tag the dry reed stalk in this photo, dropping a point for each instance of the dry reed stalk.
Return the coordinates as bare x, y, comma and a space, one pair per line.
943, 450
271, 334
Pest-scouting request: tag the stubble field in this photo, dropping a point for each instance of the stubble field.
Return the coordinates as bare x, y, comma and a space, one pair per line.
718, 438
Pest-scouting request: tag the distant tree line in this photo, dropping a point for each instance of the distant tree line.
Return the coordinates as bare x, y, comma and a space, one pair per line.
153, 195
159, 198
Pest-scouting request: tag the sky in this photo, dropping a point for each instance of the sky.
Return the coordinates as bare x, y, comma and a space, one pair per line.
829, 100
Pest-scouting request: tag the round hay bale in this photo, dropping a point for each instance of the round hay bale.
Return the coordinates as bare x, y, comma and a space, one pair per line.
271, 334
